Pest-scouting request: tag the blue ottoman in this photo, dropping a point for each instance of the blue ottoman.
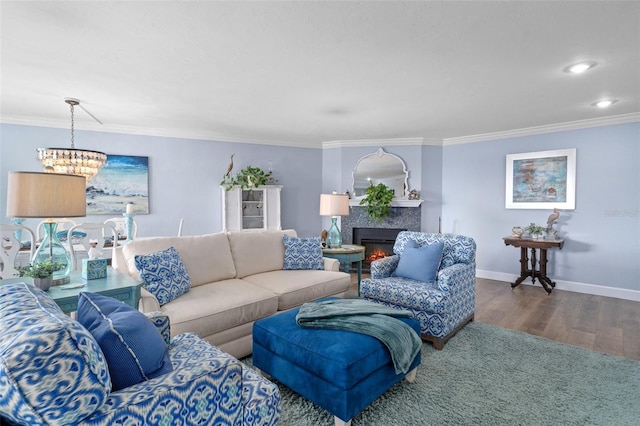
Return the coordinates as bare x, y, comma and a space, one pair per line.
340, 371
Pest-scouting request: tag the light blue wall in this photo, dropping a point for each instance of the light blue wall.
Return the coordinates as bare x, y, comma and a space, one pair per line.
464, 184
603, 232
184, 175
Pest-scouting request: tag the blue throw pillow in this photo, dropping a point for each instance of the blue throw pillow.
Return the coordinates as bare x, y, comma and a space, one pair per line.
302, 253
133, 347
164, 274
420, 263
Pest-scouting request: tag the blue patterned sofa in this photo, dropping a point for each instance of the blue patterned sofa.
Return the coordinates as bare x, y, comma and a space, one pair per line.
53, 372
442, 307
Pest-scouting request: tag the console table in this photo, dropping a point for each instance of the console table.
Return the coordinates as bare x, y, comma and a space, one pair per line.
347, 254
116, 284
533, 244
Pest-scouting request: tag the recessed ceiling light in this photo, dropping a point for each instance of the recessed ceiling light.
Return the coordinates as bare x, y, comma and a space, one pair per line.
604, 103
580, 67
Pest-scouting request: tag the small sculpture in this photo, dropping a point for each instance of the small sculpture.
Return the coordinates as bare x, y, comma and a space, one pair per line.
553, 217
230, 166
323, 237
94, 252
414, 195
516, 232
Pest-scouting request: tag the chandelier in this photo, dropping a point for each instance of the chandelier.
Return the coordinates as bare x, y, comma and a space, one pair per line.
72, 161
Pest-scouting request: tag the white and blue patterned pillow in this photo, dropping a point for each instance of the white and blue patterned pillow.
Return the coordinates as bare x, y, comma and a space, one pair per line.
302, 253
164, 274
48, 361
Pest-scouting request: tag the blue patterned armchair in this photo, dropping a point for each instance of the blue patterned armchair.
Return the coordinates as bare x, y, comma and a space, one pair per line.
442, 307
52, 372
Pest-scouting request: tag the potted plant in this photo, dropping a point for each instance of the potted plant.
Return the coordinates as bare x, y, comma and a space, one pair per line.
534, 230
41, 272
377, 200
249, 177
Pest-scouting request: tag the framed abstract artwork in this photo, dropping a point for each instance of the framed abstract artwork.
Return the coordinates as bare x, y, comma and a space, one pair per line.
541, 180
123, 180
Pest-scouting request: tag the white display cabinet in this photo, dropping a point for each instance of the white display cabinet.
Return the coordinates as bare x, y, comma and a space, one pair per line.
251, 210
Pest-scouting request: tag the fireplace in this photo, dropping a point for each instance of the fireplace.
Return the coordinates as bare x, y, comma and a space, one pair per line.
378, 243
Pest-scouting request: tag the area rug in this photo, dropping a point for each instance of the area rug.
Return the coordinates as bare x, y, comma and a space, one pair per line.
487, 375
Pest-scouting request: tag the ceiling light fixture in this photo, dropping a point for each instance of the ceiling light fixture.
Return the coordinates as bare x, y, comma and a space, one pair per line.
580, 67
72, 161
604, 103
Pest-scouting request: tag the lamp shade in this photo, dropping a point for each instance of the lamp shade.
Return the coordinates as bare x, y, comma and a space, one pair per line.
334, 205
48, 195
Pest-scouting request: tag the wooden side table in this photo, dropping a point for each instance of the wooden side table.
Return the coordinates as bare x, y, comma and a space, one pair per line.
533, 244
116, 284
346, 255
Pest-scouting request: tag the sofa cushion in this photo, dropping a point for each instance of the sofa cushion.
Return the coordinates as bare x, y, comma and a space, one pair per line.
420, 263
219, 306
206, 257
294, 288
302, 253
164, 274
256, 252
40, 346
133, 346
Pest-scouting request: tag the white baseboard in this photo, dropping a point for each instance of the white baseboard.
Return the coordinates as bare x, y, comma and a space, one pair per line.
598, 290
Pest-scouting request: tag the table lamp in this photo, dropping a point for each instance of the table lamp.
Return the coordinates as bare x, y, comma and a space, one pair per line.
47, 195
334, 205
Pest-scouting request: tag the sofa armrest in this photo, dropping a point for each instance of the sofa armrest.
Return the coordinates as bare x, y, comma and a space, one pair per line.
162, 323
457, 278
383, 268
148, 302
331, 264
206, 389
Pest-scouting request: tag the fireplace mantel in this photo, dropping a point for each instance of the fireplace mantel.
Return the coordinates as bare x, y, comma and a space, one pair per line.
396, 202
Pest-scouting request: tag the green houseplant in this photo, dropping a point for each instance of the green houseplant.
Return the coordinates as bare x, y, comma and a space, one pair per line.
377, 200
41, 272
534, 230
247, 178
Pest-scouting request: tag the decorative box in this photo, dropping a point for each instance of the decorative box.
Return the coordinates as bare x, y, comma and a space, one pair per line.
94, 268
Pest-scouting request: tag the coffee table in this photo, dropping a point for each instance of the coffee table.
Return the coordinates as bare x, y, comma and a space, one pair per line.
116, 284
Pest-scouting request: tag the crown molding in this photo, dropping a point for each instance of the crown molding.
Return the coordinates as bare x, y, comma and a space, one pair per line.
131, 130
381, 142
551, 128
211, 136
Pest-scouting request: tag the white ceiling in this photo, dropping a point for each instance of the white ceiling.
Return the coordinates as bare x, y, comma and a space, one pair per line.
303, 73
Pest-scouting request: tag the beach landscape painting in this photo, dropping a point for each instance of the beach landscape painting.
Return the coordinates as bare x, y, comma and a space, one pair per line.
123, 180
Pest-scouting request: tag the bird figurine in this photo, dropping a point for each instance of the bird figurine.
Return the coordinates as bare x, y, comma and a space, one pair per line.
230, 166
552, 218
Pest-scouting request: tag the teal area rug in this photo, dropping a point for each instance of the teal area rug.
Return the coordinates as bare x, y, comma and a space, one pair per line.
487, 375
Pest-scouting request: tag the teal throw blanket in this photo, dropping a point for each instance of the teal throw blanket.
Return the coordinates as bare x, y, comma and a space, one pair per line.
361, 316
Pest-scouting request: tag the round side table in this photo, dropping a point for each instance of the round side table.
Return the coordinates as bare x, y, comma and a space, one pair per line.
346, 255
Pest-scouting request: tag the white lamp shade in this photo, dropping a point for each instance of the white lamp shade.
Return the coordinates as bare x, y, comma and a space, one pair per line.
47, 195
334, 205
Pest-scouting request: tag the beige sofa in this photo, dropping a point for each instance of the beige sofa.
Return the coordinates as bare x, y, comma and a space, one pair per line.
236, 279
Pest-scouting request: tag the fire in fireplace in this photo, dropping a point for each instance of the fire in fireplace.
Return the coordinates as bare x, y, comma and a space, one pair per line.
378, 243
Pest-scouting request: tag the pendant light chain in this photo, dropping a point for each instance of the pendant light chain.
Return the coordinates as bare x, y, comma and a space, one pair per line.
72, 123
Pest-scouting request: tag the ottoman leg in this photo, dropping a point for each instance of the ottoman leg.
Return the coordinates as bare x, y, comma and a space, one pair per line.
340, 422
411, 375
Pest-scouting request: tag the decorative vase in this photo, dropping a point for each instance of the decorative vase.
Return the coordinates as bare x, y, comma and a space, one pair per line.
42, 283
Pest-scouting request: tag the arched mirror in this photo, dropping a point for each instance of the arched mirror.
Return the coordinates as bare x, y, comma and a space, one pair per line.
380, 167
